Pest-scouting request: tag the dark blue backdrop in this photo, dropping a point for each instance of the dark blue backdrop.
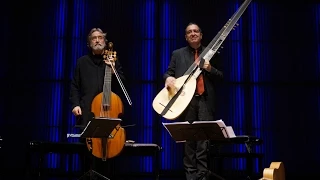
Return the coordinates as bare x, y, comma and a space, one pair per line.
271, 66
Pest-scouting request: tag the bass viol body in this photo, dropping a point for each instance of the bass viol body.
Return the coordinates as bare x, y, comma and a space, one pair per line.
107, 105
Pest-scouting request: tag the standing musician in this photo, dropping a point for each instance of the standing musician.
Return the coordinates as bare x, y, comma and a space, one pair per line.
88, 82
202, 105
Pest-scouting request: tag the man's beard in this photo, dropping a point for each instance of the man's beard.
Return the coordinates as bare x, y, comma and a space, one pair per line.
98, 47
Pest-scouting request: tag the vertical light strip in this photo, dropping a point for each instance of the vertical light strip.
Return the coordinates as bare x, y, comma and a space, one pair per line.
258, 74
259, 63
146, 64
237, 76
168, 39
78, 30
169, 35
79, 12
255, 68
55, 116
166, 138
238, 70
150, 47
255, 71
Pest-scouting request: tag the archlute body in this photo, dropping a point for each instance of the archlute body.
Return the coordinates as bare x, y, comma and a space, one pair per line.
184, 91
171, 103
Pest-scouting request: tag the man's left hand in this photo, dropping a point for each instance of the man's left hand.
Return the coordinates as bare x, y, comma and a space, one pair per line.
110, 61
206, 65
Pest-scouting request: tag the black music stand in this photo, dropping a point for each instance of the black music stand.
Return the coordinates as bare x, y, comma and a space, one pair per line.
197, 131
98, 128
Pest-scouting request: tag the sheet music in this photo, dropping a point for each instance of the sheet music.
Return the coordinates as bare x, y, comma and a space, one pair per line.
78, 135
219, 122
227, 130
230, 132
85, 128
73, 135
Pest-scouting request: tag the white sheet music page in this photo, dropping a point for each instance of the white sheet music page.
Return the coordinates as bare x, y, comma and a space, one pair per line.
230, 132
227, 130
78, 135
219, 122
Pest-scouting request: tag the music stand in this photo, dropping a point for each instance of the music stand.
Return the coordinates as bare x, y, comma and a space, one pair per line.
197, 131
98, 128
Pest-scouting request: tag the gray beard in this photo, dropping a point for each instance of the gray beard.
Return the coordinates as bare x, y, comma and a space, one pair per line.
97, 48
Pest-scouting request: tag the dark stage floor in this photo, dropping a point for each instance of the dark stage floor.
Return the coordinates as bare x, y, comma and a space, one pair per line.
122, 176
54, 175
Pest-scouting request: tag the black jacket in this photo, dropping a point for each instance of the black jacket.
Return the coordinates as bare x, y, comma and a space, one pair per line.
182, 59
88, 80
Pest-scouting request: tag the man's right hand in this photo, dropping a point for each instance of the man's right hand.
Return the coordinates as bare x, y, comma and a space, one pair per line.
77, 111
170, 81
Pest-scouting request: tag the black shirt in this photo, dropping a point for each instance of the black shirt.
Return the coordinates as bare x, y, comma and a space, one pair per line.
88, 80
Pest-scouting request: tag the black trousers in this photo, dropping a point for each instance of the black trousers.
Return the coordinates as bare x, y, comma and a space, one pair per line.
196, 152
